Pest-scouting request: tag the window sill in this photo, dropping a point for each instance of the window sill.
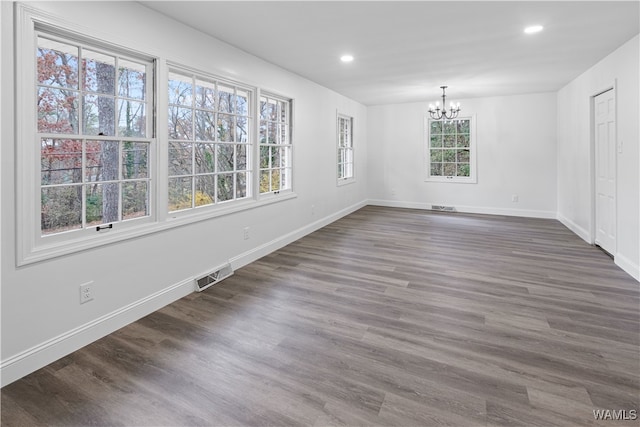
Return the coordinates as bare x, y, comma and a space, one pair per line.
346, 181
452, 180
48, 251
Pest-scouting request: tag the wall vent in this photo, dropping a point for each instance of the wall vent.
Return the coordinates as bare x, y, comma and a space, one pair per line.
443, 208
216, 276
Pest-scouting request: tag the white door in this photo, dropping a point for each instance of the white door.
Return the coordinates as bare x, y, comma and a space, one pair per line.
605, 152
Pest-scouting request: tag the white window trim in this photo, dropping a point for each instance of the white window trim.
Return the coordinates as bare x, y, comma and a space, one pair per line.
30, 247
351, 179
473, 154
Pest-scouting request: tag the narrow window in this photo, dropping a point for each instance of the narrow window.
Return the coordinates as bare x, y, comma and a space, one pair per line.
275, 145
209, 141
94, 129
345, 149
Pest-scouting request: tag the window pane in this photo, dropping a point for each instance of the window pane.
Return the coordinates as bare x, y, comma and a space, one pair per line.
60, 161
268, 109
241, 157
131, 79
131, 118
449, 127
283, 112
205, 190
180, 123
180, 89
463, 126
205, 95
61, 209
275, 179
463, 140
449, 169
436, 127
135, 160
462, 156
57, 64
225, 157
101, 161
98, 115
340, 170
226, 128
135, 199
226, 99
99, 72
436, 155
449, 140
180, 193
263, 132
242, 129
265, 181
180, 158
102, 205
449, 155
265, 158
243, 102
225, 187
276, 157
272, 133
436, 169
463, 169
436, 140
205, 158
285, 178
241, 185
205, 126
283, 134
57, 111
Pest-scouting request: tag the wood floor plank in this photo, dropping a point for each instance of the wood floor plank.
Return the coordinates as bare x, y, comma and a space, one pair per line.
386, 317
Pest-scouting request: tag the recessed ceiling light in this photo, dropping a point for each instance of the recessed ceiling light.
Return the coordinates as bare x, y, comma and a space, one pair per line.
346, 58
533, 29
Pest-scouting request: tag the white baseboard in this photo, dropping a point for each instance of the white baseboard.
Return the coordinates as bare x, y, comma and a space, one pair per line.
580, 231
282, 241
627, 265
49, 351
528, 213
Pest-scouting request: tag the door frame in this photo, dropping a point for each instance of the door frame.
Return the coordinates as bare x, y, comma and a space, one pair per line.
593, 152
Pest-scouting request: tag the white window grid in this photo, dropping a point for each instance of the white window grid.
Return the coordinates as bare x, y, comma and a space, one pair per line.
345, 149
85, 138
206, 141
275, 144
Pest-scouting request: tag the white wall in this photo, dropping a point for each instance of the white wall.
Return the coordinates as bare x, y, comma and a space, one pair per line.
575, 153
516, 149
41, 315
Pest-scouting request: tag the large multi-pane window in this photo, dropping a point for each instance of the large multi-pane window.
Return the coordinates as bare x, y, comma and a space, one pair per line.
92, 155
450, 150
275, 144
345, 149
94, 131
209, 141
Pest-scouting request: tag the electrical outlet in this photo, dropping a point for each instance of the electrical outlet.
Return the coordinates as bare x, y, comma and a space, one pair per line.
86, 292
246, 233
514, 198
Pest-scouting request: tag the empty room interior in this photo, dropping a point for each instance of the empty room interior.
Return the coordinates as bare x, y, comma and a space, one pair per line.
320, 213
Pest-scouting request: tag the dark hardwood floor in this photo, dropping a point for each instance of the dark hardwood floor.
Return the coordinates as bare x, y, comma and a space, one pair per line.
389, 317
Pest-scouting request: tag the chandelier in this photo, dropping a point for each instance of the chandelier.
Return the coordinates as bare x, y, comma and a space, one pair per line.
443, 114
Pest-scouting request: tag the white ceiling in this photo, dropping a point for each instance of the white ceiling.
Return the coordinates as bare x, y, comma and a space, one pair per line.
405, 50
